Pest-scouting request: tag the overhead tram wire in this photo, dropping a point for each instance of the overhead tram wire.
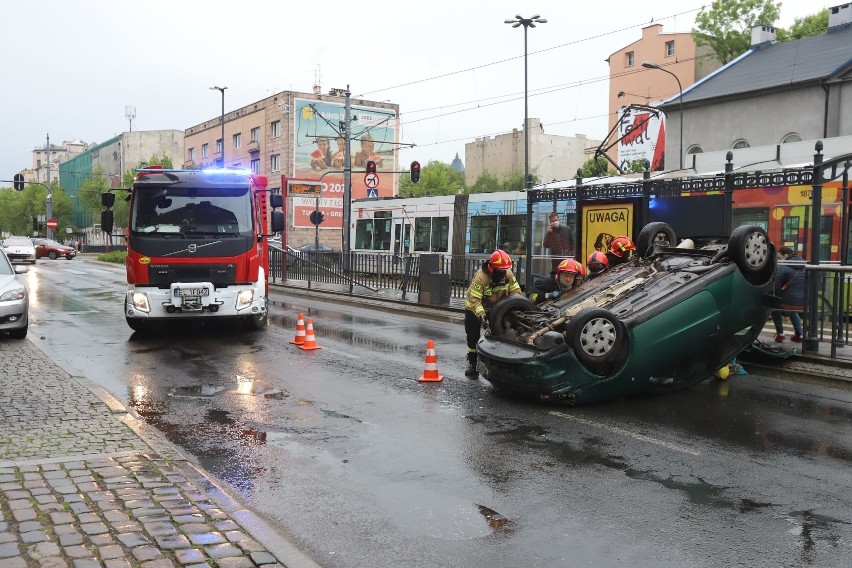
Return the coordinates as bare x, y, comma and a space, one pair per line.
484, 65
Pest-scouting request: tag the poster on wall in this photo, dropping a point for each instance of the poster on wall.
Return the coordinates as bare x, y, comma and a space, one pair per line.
318, 153
602, 223
643, 137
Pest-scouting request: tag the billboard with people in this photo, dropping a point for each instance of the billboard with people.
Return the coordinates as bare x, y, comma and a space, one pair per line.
319, 155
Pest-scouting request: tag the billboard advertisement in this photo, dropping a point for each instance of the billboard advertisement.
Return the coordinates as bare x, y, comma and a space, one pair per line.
318, 155
642, 134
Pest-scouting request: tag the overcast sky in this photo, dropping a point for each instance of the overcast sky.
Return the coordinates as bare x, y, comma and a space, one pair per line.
69, 69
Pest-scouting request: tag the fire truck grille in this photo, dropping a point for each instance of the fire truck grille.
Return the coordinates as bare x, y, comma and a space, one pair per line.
221, 275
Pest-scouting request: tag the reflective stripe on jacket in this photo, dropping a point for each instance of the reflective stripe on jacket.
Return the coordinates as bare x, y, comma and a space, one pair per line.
483, 294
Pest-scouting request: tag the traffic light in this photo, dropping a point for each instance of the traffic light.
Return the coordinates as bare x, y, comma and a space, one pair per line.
317, 217
371, 167
415, 172
18, 182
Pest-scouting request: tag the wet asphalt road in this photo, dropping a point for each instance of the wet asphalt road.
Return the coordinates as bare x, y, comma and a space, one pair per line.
362, 465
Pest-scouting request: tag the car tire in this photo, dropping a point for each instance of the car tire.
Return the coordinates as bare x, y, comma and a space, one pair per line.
749, 248
20, 333
598, 339
52, 255
654, 233
505, 310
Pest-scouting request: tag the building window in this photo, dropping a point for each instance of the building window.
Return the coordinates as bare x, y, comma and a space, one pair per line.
670, 48
739, 144
238, 140
630, 59
694, 149
205, 150
255, 134
276, 128
190, 155
255, 165
275, 163
792, 137
219, 146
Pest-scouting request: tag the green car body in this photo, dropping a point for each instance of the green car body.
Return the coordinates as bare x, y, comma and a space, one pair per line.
661, 322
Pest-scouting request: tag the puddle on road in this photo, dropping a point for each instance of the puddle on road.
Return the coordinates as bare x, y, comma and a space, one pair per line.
243, 388
814, 530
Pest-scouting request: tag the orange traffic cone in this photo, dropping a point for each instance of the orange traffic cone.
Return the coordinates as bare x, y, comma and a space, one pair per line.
430, 375
310, 340
300, 331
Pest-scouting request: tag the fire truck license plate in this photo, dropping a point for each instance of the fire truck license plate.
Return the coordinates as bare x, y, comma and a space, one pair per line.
183, 292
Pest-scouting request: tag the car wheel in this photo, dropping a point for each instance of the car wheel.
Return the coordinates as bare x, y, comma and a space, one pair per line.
52, 255
19, 333
751, 251
506, 313
597, 337
654, 234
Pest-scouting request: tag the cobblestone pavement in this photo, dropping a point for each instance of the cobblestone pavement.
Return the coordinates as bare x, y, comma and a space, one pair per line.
83, 484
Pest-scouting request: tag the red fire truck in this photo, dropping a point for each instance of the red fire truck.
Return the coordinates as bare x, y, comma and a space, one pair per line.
197, 246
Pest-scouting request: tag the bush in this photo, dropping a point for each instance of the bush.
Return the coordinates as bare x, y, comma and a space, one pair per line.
116, 256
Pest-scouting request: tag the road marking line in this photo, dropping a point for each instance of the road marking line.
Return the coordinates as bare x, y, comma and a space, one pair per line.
635, 435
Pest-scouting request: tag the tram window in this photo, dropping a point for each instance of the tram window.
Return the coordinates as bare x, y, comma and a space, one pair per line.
512, 231
789, 233
364, 234
422, 231
825, 227
752, 216
483, 233
440, 234
382, 234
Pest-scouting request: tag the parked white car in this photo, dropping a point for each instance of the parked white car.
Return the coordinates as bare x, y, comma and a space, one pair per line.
20, 249
14, 301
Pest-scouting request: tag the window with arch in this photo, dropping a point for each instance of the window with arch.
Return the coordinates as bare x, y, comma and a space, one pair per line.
741, 143
792, 137
694, 149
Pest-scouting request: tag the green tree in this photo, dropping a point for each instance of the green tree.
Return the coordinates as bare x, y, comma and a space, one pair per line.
725, 27
436, 178
485, 183
597, 168
807, 26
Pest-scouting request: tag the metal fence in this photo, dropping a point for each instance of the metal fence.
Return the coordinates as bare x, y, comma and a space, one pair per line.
828, 305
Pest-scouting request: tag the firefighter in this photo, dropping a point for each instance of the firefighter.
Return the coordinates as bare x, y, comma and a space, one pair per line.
620, 251
596, 264
493, 282
568, 275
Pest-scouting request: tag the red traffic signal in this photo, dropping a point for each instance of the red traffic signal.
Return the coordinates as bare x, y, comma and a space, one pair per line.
371, 167
415, 172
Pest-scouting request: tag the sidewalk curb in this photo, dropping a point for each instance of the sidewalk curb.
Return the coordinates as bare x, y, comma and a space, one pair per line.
271, 539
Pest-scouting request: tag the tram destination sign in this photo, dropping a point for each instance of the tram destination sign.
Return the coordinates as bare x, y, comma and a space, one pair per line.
304, 188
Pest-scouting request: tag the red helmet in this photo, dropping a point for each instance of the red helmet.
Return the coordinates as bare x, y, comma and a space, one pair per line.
500, 260
571, 265
621, 245
597, 258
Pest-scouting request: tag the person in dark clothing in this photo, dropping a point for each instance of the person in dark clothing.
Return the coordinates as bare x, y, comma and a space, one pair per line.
790, 287
620, 251
568, 275
558, 238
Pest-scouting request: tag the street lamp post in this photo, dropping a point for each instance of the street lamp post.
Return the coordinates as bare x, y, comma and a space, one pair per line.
649, 65
222, 90
527, 23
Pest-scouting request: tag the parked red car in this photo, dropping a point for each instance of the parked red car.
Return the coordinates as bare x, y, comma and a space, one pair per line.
53, 250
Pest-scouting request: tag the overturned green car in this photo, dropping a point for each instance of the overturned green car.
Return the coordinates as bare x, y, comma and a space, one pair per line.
667, 319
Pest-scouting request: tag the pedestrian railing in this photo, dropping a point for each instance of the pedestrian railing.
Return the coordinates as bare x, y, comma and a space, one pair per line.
828, 305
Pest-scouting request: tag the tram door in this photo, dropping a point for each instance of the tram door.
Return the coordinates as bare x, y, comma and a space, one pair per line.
401, 237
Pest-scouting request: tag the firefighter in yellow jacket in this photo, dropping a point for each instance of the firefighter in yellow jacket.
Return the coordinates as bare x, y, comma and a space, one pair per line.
491, 283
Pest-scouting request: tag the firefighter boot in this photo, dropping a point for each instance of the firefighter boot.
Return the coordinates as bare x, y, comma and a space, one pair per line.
471, 372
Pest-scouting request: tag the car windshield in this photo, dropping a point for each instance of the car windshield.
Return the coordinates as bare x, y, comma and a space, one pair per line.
192, 211
5, 266
17, 241
49, 242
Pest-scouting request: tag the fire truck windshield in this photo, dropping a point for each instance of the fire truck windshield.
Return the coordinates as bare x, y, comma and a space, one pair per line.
192, 211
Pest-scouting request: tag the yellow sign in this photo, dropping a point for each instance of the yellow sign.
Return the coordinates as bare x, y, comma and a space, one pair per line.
144, 260
602, 223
